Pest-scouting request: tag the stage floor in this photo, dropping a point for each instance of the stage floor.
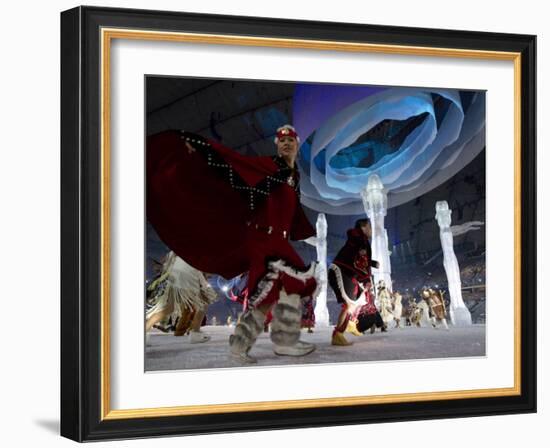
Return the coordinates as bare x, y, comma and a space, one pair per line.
167, 352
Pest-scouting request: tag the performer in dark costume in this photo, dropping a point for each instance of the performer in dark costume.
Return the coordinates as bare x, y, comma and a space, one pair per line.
193, 184
308, 316
368, 317
350, 274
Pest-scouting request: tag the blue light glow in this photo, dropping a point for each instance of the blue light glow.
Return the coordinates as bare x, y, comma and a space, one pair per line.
414, 139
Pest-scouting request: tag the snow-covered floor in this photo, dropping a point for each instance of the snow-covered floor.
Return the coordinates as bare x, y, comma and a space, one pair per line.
167, 352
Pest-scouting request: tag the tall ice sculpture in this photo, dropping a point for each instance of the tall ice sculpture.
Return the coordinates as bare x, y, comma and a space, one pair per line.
375, 201
321, 309
460, 315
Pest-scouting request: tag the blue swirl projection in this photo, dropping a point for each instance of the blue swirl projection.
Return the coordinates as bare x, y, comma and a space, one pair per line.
413, 138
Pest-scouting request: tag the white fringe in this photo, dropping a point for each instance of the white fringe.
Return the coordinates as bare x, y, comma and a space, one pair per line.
281, 266
186, 288
352, 304
264, 288
274, 269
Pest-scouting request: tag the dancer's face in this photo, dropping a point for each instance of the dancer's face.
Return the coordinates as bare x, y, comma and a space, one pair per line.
367, 230
287, 147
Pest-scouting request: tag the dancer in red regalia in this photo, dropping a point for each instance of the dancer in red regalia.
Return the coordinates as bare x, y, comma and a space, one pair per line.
226, 213
349, 276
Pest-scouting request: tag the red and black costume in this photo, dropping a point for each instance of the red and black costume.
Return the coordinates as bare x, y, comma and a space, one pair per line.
355, 257
226, 213
350, 273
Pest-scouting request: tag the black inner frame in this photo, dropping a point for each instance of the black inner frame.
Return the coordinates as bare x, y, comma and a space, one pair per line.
81, 225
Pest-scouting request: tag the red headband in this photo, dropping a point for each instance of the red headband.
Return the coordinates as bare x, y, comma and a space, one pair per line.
286, 132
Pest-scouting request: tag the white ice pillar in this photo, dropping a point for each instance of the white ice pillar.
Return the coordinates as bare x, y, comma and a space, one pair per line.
321, 310
459, 313
375, 202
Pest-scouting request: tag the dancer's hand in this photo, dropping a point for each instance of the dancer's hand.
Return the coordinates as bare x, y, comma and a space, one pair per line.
190, 149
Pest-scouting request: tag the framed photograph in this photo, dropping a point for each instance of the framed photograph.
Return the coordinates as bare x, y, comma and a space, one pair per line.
274, 223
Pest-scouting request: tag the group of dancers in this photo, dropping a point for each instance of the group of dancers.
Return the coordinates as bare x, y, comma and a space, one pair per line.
223, 213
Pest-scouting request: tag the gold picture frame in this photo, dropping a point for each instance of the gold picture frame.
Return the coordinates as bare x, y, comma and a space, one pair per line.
87, 36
